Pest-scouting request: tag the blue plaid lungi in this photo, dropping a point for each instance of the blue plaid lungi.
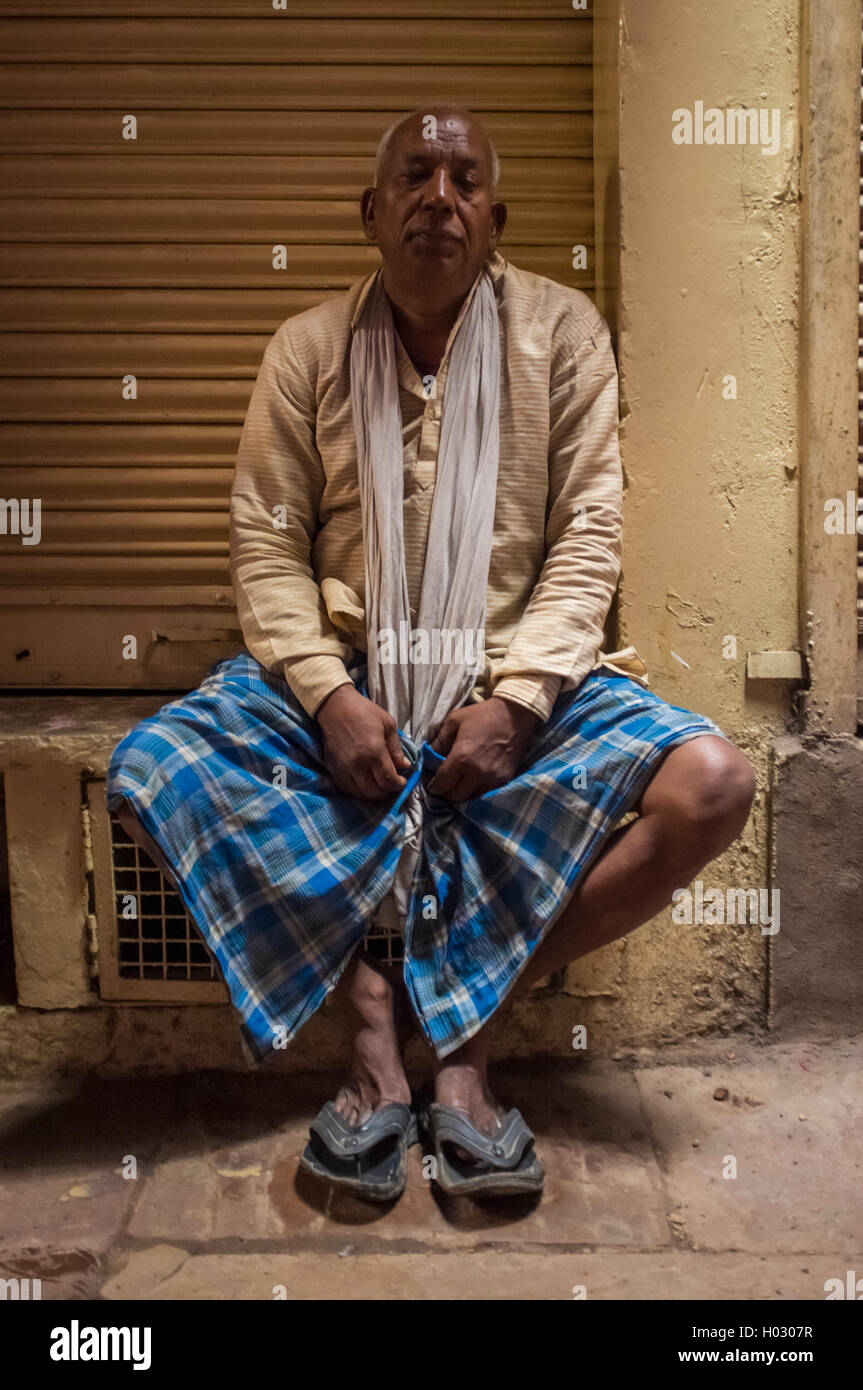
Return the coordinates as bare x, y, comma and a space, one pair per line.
282, 873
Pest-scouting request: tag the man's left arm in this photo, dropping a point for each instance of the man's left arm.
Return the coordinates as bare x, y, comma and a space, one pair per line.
561, 629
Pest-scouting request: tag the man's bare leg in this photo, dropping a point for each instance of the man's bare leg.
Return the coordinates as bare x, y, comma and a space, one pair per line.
381, 1025
695, 806
135, 830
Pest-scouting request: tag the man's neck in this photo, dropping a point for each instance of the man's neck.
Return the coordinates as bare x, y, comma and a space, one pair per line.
424, 329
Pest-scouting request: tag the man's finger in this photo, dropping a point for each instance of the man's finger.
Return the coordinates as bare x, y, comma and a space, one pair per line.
385, 774
471, 783
446, 777
395, 750
350, 783
462, 782
461, 790
446, 735
343, 782
370, 789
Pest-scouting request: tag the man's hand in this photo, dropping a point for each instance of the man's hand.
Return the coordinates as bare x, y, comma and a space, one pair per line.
484, 744
362, 750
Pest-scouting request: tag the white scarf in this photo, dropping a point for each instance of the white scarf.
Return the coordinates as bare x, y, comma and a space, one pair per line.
455, 578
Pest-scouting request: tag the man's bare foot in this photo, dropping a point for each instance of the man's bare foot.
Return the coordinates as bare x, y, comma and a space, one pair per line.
461, 1082
382, 1023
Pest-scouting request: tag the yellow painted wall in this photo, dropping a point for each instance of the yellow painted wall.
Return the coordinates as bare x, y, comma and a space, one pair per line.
708, 287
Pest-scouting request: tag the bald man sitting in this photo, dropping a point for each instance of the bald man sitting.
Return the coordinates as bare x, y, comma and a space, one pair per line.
423, 731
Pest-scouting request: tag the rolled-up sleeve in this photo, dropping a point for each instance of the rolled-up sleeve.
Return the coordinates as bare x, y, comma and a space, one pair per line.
560, 632
278, 482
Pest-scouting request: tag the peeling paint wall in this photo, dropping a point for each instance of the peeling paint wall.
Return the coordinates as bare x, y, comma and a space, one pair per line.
709, 285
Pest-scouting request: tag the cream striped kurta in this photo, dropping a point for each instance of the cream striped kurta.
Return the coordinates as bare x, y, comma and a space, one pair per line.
296, 528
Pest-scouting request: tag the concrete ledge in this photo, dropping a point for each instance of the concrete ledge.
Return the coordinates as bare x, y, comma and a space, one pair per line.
128, 1039
78, 731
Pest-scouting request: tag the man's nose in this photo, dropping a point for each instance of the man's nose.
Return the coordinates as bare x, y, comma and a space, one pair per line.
438, 191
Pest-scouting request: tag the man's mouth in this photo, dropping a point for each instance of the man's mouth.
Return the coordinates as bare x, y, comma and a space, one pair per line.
434, 234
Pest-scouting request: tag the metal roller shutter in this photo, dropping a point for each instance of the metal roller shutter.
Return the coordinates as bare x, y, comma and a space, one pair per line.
152, 258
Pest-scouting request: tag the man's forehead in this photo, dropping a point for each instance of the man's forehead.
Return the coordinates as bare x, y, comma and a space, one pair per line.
457, 134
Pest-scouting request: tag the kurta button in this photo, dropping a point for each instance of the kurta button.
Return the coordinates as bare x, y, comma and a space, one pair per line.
496, 1150
351, 1143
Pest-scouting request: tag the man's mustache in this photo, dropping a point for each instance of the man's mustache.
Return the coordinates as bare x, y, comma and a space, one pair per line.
441, 232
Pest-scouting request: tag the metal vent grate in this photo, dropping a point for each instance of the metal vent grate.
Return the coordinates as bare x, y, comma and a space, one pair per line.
383, 940
385, 945
149, 950
156, 938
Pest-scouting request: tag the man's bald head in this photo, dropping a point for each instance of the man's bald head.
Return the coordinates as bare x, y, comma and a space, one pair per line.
437, 112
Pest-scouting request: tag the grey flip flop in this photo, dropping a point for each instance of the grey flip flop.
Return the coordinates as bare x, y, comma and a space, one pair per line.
507, 1164
369, 1160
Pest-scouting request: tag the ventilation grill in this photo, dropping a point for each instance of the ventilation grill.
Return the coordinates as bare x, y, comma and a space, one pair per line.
156, 938
384, 944
149, 950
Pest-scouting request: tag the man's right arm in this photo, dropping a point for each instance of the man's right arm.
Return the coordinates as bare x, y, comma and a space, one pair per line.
278, 482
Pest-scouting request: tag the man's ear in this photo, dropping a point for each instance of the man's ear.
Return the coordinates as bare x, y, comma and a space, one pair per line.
367, 210
498, 222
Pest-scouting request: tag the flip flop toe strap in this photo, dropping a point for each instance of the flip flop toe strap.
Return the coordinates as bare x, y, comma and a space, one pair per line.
504, 1149
351, 1141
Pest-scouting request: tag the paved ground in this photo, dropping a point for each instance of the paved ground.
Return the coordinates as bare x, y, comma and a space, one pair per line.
185, 1188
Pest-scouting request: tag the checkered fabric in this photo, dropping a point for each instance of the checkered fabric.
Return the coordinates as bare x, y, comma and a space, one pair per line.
283, 874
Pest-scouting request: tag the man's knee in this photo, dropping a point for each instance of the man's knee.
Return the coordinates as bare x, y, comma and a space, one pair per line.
710, 790
133, 828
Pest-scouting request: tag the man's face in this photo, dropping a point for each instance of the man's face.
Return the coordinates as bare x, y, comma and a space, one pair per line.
432, 214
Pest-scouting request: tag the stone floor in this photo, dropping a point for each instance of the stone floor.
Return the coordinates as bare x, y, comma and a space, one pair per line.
188, 1187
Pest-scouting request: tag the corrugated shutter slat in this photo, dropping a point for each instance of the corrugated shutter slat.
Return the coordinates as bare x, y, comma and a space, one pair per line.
361, 88
267, 40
